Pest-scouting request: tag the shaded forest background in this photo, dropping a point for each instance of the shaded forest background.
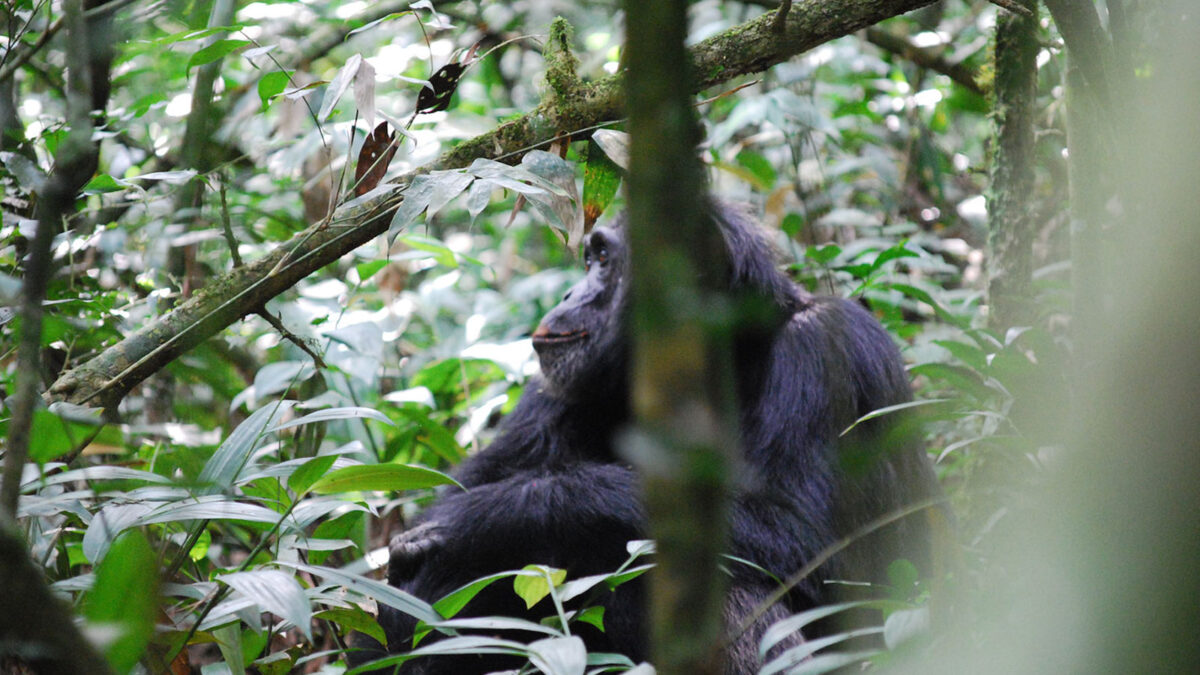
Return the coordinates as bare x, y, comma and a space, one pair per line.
233, 364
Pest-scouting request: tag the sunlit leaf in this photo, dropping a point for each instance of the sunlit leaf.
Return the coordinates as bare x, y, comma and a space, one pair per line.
380, 477
329, 414
276, 592
559, 655
222, 469
533, 587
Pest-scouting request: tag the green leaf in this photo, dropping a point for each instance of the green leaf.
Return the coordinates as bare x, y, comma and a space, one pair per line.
369, 269
382, 478
533, 587
593, 616
329, 414
377, 590
276, 592
601, 178
215, 52
271, 85
453, 602
103, 183
896, 252
308, 473
969, 354
229, 641
823, 255
125, 598
212, 507
759, 167
782, 630
353, 619
227, 462
904, 625
924, 296
888, 410
441, 253
963, 379
559, 655
792, 224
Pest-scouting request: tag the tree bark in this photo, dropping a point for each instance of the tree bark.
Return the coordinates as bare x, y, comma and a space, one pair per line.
682, 376
1011, 209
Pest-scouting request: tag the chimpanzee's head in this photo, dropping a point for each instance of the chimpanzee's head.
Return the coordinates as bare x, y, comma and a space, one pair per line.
582, 342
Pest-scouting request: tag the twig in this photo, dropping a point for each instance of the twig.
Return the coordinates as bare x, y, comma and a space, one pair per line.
229, 238
288, 335
1013, 6
924, 57
780, 21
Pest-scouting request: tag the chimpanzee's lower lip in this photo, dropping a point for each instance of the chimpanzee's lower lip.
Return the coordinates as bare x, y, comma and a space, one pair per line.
558, 338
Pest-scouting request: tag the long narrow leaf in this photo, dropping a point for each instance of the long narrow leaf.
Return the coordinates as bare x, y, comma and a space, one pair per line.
222, 469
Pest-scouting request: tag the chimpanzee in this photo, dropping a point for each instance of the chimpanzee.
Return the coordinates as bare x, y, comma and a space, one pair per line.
553, 488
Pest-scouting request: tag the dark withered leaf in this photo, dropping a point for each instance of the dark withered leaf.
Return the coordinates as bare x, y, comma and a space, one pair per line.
444, 82
374, 158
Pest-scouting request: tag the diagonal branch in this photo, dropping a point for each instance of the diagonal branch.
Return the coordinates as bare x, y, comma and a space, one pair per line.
748, 48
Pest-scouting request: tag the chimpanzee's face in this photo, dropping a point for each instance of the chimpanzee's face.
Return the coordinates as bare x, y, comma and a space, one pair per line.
583, 336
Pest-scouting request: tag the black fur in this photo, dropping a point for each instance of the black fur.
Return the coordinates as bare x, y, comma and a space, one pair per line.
551, 489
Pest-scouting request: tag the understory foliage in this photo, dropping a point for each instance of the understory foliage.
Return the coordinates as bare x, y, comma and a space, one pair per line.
235, 511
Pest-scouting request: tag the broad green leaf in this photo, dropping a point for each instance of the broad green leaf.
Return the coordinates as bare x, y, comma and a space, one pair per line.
382, 478
593, 616
446, 186
369, 269
271, 85
308, 473
215, 52
759, 169
103, 183
533, 587
453, 602
125, 598
440, 253
353, 619
896, 252
925, 297
276, 592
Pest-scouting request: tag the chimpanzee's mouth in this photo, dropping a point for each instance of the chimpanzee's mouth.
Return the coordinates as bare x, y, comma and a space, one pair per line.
542, 337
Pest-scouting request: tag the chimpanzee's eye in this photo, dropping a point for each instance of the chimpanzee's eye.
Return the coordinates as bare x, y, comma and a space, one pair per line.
602, 254
587, 259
